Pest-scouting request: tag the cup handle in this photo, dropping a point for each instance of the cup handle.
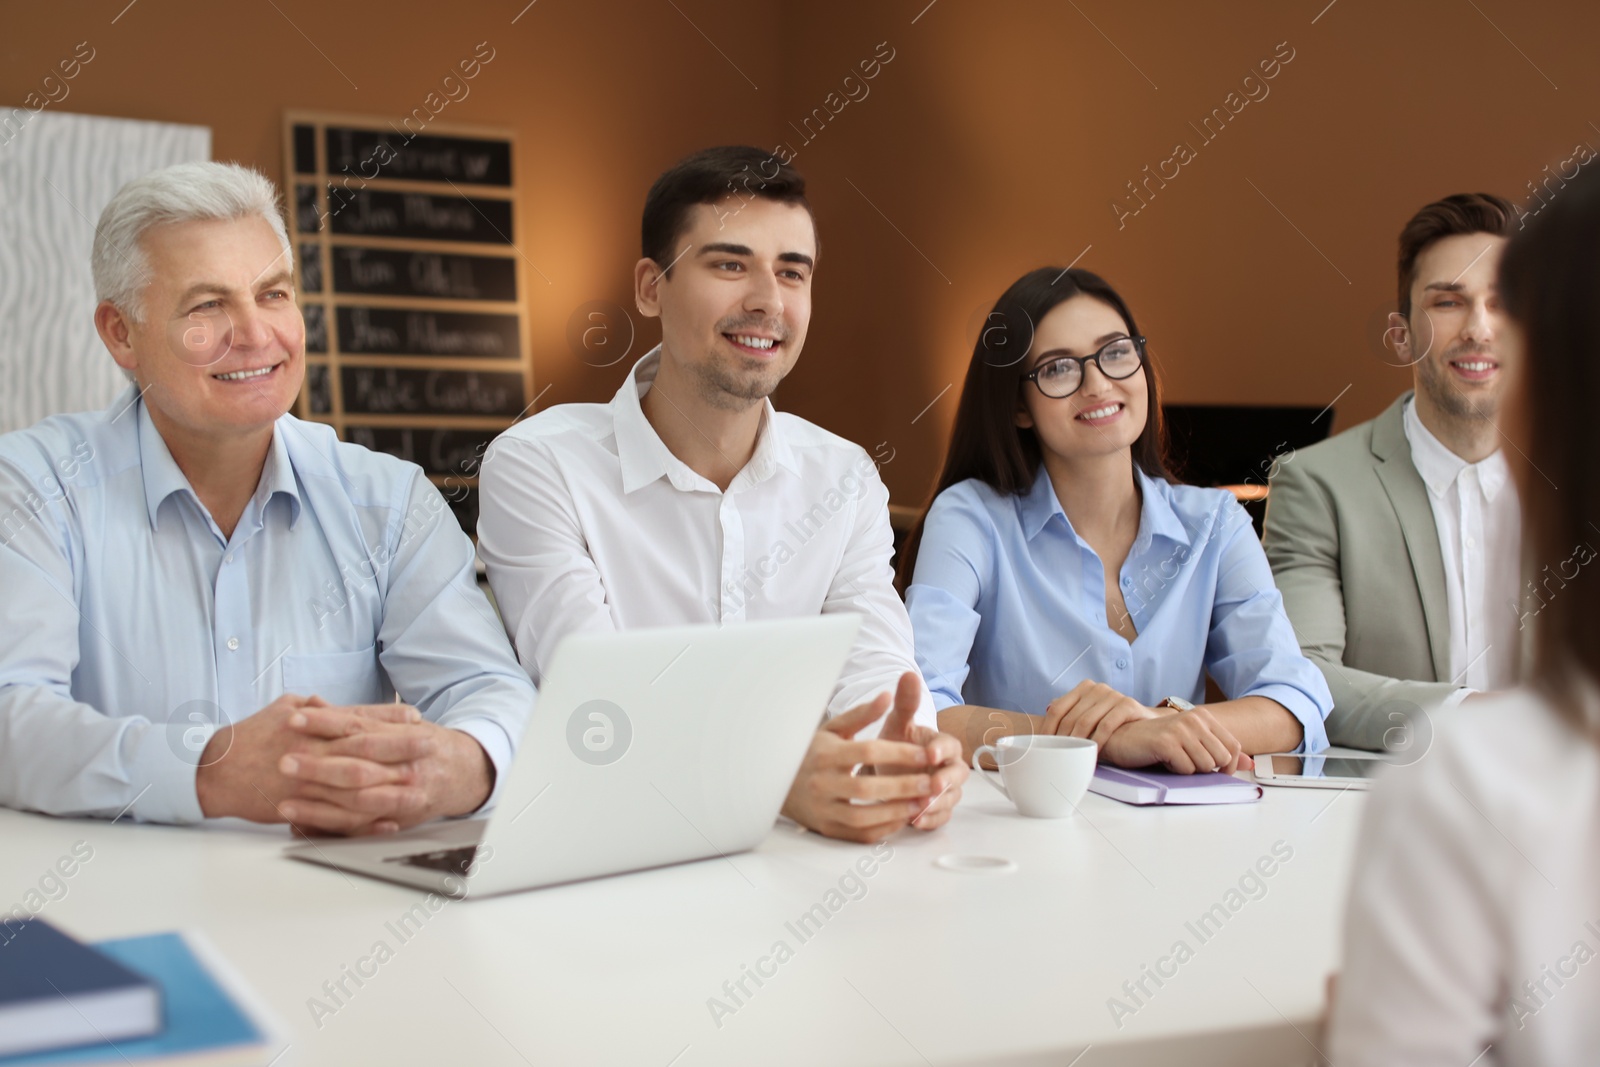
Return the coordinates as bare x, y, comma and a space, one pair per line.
992, 777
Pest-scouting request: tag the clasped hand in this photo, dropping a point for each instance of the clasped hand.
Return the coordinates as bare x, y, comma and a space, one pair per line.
360, 769
1132, 735
866, 790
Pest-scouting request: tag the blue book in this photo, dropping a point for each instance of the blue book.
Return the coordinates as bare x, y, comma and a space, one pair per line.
203, 1023
56, 992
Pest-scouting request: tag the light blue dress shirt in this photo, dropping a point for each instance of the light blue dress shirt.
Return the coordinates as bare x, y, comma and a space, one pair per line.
130, 627
1008, 605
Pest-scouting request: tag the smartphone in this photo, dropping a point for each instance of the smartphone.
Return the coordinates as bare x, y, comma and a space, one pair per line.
1354, 771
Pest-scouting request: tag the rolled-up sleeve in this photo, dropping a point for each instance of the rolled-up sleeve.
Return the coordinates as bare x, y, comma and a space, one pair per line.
957, 547
442, 646
1251, 649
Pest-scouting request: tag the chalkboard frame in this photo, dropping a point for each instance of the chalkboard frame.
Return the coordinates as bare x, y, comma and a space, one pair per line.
332, 363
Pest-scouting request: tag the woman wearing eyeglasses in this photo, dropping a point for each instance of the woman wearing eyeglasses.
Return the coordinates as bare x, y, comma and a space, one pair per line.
1062, 583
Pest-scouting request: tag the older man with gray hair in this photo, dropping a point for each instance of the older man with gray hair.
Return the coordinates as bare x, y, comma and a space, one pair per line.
210, 605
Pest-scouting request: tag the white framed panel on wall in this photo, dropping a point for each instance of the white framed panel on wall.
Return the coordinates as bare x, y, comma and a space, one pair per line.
57, 173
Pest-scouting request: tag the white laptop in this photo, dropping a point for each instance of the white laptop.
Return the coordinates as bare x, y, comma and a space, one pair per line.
644, 748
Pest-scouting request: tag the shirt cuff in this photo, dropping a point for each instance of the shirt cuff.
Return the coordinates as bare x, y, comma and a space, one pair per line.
1314, 734
161, 771
497, 745
1457, 697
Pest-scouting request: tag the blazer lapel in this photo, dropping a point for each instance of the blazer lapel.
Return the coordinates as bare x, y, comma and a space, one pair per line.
1409, 496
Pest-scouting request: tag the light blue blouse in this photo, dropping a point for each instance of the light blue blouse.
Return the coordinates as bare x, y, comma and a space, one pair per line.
131, 628
1008, 605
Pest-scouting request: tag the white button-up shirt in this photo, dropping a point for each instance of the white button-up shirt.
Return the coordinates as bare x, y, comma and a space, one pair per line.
589, 522
1477, 515
1471, 922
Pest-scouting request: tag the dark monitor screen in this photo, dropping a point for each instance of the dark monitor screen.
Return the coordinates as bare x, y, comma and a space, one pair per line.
1234, 444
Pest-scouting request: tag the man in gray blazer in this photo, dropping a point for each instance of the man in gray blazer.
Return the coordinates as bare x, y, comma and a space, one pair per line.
1397, 543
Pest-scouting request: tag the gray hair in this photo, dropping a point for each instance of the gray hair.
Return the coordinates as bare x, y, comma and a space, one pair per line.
185, 192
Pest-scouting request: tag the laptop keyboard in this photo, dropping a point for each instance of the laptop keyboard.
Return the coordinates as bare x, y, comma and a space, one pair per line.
449, 860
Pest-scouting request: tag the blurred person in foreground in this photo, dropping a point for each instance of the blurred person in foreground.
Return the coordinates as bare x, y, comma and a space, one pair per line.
1473, 918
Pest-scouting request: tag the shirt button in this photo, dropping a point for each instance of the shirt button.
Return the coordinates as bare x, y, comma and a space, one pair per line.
233, 644
1472, 543
228, 558
1122, 664
1126, 582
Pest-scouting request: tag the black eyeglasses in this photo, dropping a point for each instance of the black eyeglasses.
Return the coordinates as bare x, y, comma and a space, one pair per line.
1063, 376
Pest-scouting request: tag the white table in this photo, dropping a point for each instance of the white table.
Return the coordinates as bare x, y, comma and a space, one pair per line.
929, 966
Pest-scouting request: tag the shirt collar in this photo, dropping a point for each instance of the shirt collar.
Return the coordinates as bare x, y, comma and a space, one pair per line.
645, 457
163, 477
1494, 474
1156, 517
1440, 467
278, 476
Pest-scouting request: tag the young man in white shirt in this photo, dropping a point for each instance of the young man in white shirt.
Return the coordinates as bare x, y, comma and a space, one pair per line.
1397, 544
689, 499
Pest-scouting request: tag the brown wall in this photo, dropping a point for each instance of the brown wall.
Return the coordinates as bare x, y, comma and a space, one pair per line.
993, 142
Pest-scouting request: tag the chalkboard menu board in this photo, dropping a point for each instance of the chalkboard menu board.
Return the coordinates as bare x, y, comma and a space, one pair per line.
412, 290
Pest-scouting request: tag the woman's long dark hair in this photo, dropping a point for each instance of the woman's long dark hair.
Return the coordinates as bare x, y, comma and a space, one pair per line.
1550, 282
986, 442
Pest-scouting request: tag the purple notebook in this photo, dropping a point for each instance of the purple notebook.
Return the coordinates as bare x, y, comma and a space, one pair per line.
1163, 787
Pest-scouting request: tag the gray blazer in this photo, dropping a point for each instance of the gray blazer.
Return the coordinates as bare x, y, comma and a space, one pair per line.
1354, 549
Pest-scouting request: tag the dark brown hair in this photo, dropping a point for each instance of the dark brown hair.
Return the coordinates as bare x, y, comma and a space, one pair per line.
707, 177
986, 443
1550, 282
1458, 214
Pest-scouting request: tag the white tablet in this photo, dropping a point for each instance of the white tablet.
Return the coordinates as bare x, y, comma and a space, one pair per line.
1351, 771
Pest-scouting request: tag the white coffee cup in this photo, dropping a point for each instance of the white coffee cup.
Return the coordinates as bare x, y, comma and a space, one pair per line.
1044, 776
